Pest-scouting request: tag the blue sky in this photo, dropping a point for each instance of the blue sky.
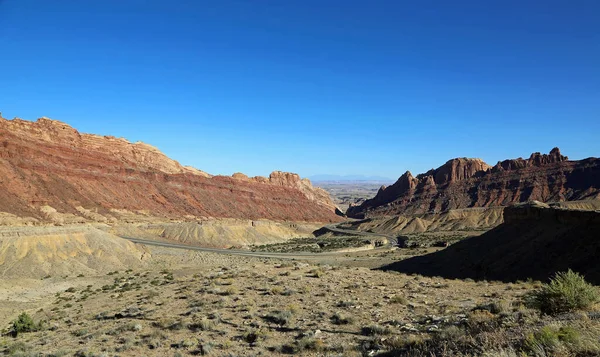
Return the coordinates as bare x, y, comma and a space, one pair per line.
336, 87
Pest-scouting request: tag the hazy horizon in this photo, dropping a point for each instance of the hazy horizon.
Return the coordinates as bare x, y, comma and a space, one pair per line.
316, 88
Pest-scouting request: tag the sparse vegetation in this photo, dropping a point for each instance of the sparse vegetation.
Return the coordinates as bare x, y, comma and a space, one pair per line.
341, 319
567, 291
313, 245
316, 273
398, 299
24, 323
375, 330
304, 344
343, 312
253, 336
280, 317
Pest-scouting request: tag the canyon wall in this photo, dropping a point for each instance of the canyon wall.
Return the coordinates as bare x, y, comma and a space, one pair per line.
465, 183
49, 172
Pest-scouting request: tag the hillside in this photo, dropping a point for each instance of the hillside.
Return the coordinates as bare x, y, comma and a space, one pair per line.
535, 241
49, 172
465, 183
35, 252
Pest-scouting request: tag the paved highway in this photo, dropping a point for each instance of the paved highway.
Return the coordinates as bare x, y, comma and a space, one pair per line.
392, 240
222, 251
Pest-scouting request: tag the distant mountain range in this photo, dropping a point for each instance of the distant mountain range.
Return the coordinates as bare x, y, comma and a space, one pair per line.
465, 183
326, 177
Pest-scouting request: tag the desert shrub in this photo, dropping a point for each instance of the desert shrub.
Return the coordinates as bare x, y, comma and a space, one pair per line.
345, 303
18, 348
451, 333
280, 317
24, 323
316, 273
276, 290
567, 291
403, 342
177, 325
482, 321
310, 344
80, 332
496, 307
154, 340
549, 339
398, 299
303, 344
202, 325
254, 335
339, 319
375, 330
187, 343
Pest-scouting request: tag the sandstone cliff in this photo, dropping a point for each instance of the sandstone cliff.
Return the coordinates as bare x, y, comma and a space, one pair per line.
535, 241
464, 183
289, 179
49, 172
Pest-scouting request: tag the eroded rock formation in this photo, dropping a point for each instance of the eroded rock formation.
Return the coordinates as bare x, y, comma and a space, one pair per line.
47, 165
464, 183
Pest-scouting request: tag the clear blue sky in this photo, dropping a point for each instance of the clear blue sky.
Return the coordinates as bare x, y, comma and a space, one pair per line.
337, 87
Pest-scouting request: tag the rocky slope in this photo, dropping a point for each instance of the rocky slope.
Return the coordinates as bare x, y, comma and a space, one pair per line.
535, 241
49, 172
35, 252
465, 183
218, 233
470, 219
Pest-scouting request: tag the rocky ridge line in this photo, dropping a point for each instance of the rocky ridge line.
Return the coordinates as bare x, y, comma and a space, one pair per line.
465, 183
47, 163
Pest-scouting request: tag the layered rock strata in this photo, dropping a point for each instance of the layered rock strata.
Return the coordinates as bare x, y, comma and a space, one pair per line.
465, 183
49, 170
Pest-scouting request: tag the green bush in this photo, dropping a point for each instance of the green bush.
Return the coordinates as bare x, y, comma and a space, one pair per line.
567, 291
24, 323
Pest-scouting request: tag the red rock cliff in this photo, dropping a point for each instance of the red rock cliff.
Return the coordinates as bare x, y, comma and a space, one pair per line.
463, 183
49, 163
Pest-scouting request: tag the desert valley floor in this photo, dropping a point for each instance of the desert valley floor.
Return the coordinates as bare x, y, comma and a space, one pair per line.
197, 303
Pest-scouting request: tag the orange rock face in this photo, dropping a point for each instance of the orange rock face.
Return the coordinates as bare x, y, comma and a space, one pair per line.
464, 183
49, 163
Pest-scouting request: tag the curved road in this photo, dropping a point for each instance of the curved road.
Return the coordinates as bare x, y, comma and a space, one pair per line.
247, 253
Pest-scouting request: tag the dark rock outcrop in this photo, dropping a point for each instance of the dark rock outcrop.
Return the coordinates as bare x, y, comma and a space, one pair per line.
465, 183
535, 241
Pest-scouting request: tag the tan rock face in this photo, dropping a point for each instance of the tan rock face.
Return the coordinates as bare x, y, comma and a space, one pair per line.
464, 183
48, 163
289, 179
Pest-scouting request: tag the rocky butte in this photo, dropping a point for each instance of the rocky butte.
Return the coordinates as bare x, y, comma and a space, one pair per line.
464, 183
47, 167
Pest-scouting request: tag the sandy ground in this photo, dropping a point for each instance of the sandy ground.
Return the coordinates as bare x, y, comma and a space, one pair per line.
188, 302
